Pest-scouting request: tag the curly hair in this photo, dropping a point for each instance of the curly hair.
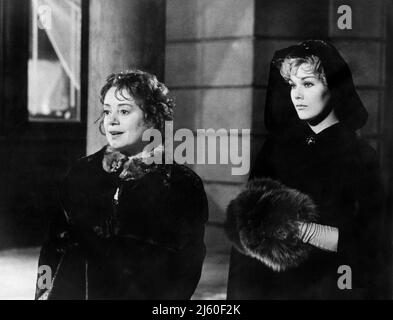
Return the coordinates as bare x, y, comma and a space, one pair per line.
312, 64
150, 95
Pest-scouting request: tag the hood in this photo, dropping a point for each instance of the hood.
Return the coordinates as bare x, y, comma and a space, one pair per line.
279, 111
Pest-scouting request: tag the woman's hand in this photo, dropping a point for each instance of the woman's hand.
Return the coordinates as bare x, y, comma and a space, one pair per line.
318, 235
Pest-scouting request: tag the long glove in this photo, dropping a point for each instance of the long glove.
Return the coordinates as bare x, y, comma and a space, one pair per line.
320, 236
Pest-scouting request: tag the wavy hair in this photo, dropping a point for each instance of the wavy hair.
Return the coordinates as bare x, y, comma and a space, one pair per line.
151, 96
310, 63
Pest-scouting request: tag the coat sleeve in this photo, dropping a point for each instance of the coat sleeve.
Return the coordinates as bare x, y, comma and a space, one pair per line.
159, 270
371, 227
58, 256
50, 258
188, 262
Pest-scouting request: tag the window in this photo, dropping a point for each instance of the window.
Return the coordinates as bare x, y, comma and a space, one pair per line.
54, 67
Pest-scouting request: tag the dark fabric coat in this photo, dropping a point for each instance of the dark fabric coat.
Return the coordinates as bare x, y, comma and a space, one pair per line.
147, 245
340, 173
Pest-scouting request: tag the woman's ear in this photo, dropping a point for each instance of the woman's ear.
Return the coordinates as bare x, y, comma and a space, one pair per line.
100, 121
101, 127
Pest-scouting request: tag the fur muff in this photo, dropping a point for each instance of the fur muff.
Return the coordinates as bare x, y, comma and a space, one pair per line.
262, 222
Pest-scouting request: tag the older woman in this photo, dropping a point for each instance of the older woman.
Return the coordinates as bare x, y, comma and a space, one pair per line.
309, 224
126, 228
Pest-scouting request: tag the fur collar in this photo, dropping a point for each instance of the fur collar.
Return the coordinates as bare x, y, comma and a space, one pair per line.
134, 167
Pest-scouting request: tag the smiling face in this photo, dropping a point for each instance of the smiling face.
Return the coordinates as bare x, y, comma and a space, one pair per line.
124, 122
309, 94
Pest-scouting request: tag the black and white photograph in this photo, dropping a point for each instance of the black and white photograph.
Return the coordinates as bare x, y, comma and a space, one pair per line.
193, 150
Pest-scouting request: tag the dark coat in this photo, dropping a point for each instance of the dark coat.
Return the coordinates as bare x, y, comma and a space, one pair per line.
147, 245
340, 173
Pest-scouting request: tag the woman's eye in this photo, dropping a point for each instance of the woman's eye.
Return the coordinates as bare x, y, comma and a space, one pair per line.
308, 84
292, 85
105, 112
124, 112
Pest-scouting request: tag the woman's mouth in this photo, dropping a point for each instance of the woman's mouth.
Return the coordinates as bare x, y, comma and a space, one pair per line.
301, 106
115, 134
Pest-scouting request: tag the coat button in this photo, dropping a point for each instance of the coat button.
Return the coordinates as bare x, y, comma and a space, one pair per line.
311, 140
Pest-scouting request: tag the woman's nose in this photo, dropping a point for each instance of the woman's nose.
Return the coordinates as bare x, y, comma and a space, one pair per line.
298, 93
113, 119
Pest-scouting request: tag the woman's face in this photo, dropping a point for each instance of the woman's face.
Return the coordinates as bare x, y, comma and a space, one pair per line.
124, 122
309, 94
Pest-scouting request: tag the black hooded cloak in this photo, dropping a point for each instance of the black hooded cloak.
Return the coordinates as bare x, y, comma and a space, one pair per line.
339, 172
